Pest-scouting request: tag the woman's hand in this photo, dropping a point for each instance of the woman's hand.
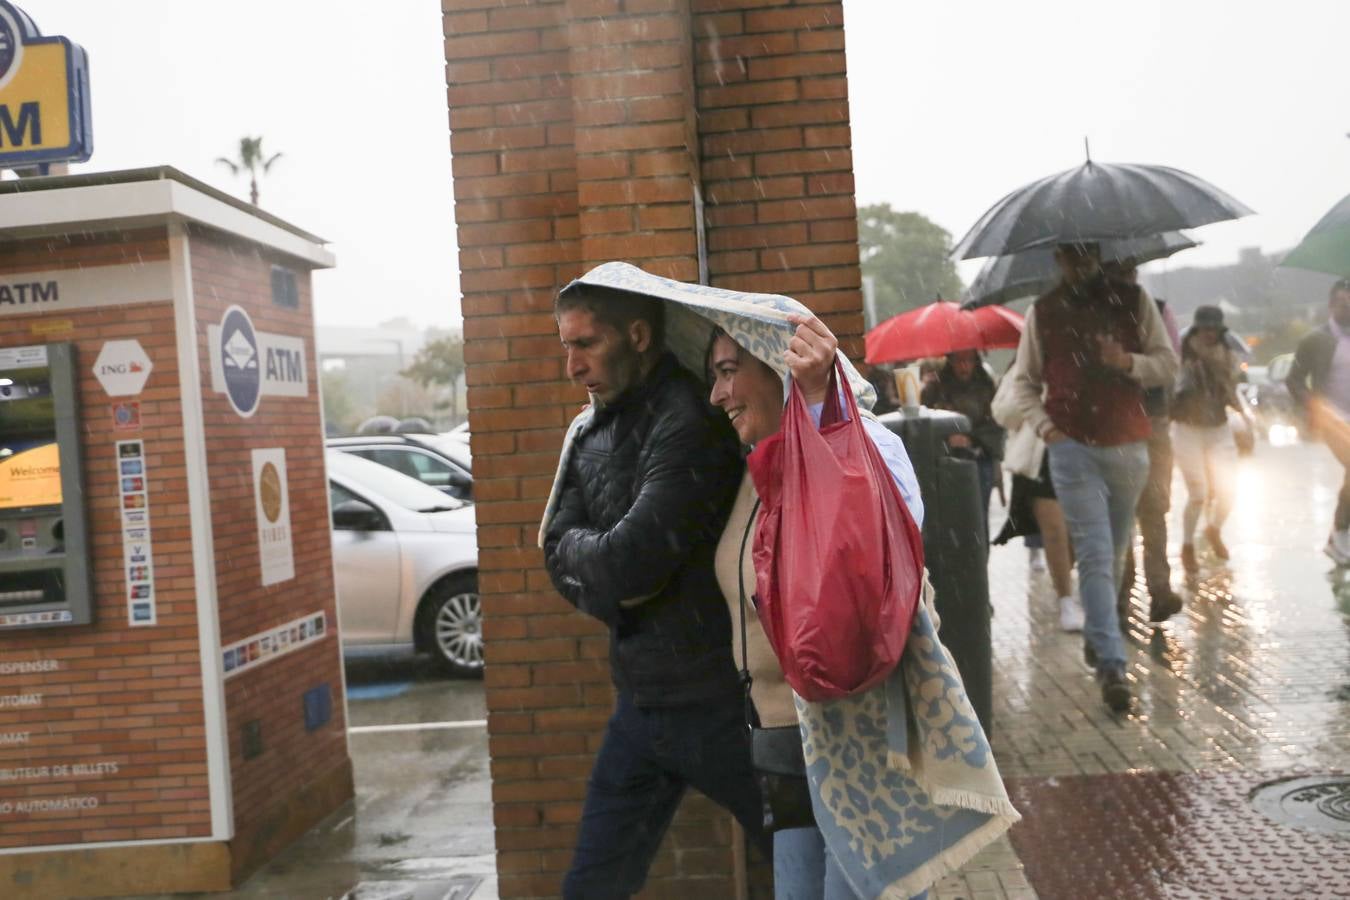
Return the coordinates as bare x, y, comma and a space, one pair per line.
810, 356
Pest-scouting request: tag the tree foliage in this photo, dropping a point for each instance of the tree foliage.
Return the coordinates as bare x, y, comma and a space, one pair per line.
439, 363
906, 255
250, 159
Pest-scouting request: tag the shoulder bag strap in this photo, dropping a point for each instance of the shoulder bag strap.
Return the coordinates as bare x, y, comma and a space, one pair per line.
751, 717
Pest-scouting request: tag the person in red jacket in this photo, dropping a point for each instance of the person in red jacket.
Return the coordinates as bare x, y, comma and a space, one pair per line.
1089, 348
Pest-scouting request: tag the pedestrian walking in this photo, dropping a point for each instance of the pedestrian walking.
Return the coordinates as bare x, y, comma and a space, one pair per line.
1319, 382
647, 477
843, 857
1033, 509
1155, 501
901, 790
1089, 348
963, 385
1201, 435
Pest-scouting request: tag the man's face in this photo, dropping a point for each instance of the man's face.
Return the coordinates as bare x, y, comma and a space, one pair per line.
600, 358
1077, 263
1340, 308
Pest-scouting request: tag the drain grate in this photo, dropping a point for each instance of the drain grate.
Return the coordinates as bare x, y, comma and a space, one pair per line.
460, 887
1315, 802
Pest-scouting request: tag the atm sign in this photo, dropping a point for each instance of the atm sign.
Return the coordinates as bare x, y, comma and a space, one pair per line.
44, 95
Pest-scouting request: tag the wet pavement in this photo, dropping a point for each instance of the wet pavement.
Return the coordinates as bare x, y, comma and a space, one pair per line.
421, 823
1249, 684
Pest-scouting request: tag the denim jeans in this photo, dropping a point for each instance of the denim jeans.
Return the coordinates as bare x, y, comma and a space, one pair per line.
648, 757
1098, 489
804, 870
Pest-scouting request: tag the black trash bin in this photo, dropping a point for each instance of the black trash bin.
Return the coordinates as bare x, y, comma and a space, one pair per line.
955, 546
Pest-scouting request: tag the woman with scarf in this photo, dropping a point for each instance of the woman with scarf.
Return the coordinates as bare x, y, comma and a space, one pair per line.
900, 778
1201, 436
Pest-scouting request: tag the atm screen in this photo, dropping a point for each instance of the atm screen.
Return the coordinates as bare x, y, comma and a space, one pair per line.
30, 466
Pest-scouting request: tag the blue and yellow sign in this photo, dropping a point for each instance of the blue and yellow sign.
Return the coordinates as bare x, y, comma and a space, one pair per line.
44, 95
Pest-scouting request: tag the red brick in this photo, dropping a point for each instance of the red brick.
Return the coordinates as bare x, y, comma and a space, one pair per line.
825, 89
607, 220
749, 94
665, 216
549, 62
626, 30
750, 46
795, 18
631, 137
812, 256
757, 236
815, 113
478, 46
757, 141
803, 161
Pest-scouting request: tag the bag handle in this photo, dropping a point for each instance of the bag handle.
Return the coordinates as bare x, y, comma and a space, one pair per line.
834, 409
751, 717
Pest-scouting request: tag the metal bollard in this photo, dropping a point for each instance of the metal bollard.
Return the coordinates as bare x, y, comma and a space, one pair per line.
955, 547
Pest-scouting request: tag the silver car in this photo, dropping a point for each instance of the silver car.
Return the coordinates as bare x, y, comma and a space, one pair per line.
406, 560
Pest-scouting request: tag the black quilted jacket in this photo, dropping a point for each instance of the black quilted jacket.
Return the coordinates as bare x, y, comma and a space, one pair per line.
647, 491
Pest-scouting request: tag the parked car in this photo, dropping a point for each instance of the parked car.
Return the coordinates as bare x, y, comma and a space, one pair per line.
406, 560
444, 464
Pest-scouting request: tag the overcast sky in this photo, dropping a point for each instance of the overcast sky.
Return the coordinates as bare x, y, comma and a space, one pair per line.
953, 105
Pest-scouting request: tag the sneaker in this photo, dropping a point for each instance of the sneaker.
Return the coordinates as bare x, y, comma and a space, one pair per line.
1333, 549
1071, 618
1035, 559
1089, 656
1216, 542
1115, 690
1164, 603
1188, 560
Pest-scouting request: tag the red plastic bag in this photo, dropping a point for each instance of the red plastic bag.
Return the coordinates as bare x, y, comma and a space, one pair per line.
838, 558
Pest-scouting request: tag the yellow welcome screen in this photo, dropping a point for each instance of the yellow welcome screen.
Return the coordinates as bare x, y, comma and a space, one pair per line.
31, 478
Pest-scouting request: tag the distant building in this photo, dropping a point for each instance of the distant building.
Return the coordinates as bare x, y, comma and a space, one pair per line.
366, 361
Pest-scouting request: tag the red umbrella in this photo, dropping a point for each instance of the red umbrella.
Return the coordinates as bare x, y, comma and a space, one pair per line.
941, 328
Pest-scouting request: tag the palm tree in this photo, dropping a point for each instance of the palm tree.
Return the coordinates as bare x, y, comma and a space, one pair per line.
250, 158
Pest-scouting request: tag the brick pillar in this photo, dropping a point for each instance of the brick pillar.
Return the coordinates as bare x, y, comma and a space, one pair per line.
777, 157
580, 130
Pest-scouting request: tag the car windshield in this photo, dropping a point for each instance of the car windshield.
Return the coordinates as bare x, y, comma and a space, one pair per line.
392, 486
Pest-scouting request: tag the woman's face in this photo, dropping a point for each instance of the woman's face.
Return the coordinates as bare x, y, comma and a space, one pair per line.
748, 391
962, 364
1208, 337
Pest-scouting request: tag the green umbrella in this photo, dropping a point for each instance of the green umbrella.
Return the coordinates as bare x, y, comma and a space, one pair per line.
1326, 248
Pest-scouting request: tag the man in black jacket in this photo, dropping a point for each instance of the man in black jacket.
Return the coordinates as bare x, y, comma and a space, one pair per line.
1323, 358
650, 476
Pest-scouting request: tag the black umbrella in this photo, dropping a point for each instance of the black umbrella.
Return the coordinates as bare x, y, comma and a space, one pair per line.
1097, 202
1033, 272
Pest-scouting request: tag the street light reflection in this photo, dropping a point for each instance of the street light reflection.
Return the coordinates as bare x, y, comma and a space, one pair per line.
1281, 435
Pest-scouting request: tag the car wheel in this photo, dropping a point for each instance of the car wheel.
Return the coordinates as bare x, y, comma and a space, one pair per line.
451, 623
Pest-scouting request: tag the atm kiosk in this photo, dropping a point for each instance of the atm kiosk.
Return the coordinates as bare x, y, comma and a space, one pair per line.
44, 576
171, 688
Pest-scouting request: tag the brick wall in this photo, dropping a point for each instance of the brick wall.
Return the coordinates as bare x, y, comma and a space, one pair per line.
128, 696
226, 271
580, 132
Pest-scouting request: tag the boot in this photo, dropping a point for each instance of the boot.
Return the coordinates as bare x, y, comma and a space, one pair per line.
1216, 542
1188, 560
1115, 690
1163, 603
